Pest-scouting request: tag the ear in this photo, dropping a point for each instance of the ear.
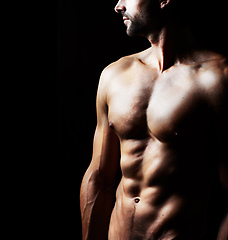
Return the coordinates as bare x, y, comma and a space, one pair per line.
164, 3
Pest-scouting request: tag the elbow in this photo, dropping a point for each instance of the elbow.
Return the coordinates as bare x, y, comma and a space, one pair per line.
94, 182
91, 186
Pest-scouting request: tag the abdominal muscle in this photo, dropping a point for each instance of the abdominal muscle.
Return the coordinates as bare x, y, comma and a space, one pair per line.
151, 202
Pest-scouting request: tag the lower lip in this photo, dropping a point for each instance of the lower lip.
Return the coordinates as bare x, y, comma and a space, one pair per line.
126, 20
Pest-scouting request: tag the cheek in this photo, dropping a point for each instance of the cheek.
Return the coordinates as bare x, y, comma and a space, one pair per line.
138, 9
141, 4
133, 6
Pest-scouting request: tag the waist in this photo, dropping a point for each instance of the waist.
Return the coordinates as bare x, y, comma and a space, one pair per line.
157, 194
156, 210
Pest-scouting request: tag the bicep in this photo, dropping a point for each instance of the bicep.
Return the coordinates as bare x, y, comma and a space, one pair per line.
106, 154
106, 149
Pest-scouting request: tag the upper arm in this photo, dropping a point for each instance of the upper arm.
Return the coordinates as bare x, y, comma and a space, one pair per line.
106, 151
97, 195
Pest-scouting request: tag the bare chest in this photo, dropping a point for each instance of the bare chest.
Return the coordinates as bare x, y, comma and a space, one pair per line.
160, 105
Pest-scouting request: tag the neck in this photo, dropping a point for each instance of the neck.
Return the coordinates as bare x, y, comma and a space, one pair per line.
170, 46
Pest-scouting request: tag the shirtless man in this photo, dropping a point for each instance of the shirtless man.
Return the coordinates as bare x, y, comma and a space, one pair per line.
161, 117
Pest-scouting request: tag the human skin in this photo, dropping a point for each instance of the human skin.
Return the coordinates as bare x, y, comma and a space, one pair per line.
161, 118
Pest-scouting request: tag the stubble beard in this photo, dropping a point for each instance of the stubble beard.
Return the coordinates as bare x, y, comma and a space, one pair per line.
132, 30
135, 27
139, 25
144, 22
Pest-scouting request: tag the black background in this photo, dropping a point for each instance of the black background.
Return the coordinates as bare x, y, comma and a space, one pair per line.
90, 36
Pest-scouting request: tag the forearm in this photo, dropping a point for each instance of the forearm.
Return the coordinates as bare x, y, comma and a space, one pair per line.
97, 202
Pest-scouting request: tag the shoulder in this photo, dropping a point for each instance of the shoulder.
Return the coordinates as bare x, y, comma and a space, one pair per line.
119, 66
112, 75
113, 71
210, 67
123, 65
212, 75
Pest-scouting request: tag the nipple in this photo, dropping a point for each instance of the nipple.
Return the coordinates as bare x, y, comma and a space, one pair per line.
137, 199
110, 124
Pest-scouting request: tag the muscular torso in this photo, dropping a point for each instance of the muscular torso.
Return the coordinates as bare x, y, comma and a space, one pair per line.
166, 132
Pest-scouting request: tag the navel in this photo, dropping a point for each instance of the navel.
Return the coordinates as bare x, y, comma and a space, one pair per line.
137, 199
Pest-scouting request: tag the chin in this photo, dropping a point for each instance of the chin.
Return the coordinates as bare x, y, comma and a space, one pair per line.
129, 33
132, 33
134, 30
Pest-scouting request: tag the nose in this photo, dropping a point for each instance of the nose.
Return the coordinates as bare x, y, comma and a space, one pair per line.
120, 7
